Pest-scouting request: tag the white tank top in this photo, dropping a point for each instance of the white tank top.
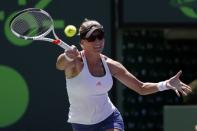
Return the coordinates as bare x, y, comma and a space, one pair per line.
88, 96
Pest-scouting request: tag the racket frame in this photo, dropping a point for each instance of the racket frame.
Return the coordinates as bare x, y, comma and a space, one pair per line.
41, 37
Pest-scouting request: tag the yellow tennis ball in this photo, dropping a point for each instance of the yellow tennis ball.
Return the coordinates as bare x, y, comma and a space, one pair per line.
70, 30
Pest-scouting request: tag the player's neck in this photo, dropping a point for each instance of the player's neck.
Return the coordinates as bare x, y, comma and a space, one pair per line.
92, 57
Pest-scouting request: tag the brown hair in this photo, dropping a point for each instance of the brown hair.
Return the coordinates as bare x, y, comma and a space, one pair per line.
87, 25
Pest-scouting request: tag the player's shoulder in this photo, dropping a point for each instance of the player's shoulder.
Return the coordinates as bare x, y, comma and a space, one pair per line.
110, 61
106, 58
114, 66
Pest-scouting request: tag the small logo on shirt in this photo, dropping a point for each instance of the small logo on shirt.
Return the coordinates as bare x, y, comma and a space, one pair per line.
98, 83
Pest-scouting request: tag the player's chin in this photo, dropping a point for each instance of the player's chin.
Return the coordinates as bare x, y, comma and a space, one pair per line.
98, 49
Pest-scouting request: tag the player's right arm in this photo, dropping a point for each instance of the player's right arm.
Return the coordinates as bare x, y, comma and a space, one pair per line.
63, 60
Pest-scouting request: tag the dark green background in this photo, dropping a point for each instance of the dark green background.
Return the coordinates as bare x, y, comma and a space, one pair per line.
48, 103
155, 11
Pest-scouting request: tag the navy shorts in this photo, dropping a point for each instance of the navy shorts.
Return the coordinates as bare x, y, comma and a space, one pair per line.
114, 121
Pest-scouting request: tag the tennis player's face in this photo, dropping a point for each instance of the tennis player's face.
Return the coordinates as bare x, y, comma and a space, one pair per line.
95, 42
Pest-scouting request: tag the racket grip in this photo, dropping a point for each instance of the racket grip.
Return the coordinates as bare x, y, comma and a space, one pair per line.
64, 45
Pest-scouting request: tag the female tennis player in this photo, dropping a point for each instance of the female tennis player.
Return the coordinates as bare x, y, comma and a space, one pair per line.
89, 78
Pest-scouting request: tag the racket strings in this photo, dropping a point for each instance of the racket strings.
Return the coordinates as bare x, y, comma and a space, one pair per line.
32, 24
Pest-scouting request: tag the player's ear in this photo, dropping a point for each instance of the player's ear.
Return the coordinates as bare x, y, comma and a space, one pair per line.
81, 43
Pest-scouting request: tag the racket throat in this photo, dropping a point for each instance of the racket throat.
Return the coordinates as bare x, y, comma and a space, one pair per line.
57, 41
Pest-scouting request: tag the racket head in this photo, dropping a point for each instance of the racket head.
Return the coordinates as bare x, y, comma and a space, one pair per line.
31, 23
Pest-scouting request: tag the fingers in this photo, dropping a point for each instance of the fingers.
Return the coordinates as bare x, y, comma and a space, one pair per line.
181, 91
177, 93
178, 74
186, 87
184, 90
73, 52
180, 88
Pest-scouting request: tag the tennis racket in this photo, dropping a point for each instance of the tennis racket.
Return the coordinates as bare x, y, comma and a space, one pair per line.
35, 24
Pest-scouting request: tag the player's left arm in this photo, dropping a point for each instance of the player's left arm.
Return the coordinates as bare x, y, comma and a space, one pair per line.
124, 76
144, 88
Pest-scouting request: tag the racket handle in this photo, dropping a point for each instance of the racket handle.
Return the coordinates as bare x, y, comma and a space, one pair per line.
64, 45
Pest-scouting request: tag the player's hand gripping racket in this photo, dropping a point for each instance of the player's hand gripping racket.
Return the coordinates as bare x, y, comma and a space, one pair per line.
35, 24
